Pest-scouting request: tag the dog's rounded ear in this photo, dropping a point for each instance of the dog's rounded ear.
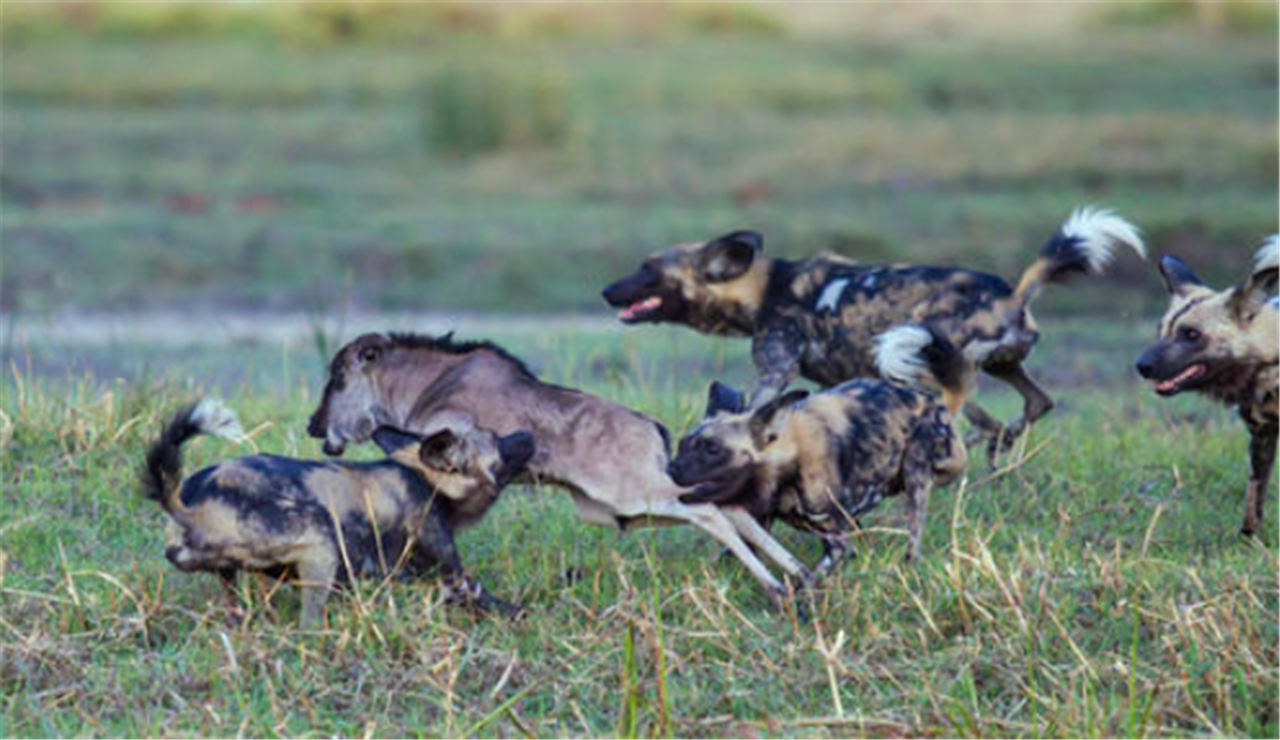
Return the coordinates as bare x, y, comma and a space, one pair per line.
730, 256
1250, 296
1178, 275
440, 450
391, 440
762, 418
722, 398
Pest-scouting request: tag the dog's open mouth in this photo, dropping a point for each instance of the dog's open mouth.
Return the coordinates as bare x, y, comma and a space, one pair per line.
640, 309
1177, 383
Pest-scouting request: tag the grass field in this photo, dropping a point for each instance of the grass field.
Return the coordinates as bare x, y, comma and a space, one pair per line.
1095, 587
197, 166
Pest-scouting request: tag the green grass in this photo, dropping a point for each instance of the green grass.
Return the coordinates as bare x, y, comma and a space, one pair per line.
333, 158
505, 170
1096, 589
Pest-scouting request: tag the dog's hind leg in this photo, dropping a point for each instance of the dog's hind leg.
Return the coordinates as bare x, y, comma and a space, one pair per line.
1035, 403
762, 541
1262, 458
918, 471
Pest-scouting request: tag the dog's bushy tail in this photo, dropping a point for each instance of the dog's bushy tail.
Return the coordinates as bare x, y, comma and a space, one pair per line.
162, 473
919, 357
1268, 255
1084, 245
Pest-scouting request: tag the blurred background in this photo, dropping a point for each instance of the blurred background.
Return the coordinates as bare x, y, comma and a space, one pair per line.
180, 174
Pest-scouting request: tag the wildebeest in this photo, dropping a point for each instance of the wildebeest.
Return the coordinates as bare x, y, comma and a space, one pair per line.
612, 460
817, 317
326, 522
1225, 345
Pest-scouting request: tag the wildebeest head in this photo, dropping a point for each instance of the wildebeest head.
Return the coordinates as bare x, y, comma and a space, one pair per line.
723, 452
1209, 339
715, 287
351, 406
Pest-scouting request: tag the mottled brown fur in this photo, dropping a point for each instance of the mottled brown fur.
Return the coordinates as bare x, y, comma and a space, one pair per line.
817, 317
1226, 345
324, 523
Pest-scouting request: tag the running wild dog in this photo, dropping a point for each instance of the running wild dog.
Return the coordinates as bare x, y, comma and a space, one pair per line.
612, 460
1224, 344
819, 462
817, 317
322, 522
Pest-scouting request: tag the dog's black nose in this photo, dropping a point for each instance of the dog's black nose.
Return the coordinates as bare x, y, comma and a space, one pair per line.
314, 427
171, 554
1146, 366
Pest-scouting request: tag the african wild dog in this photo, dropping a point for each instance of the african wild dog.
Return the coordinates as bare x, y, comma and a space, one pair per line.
816, 317
612, 460
324, 522
1224, 344
820, 462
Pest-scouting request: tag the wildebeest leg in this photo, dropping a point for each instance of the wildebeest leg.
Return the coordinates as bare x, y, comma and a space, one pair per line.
1035, 404
316, 572
435, 537
1262, 458
836, 549
712, 520
762, 541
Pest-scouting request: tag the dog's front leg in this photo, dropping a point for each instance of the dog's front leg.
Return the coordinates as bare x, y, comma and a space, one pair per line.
435, 537
236, 610
776, 354
1262, 458
316, 573
836, 549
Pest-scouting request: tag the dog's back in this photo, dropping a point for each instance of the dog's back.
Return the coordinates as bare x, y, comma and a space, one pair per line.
265, 510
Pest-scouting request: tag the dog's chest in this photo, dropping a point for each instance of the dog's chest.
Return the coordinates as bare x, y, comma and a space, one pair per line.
1262, 407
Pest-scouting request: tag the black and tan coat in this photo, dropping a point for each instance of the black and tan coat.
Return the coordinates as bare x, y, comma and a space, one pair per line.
323, 523
817, 317
820, 462
1226, 345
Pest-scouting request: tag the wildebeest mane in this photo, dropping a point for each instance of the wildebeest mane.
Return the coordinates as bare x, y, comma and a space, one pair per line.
446, 343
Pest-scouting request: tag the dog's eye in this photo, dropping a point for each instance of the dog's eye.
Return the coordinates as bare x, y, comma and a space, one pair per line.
1189, 334
369, 354
710, 447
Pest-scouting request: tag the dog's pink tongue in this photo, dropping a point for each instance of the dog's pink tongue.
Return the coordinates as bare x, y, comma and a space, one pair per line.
1172, 384
647, 304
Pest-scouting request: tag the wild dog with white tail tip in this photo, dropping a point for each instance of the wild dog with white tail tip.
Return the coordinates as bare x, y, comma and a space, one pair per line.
819, 462
818, 317
1226, 345
325, 522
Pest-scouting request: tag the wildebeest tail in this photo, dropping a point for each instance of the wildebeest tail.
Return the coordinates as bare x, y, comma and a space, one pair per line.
162, 473
920, 357
1084, 245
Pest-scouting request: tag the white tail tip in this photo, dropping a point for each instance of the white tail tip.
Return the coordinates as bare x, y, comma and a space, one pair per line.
1099, 231
898, 354
1268, 255
213, 417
